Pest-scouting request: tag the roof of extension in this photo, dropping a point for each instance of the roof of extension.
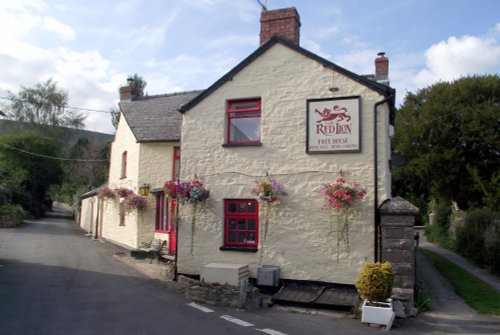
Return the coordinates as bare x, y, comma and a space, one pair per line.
385, 90
155, 118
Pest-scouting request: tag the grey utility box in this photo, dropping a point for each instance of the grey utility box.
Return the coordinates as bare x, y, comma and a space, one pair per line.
268, 275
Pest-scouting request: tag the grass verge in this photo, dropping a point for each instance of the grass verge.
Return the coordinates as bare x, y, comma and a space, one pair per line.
476, 293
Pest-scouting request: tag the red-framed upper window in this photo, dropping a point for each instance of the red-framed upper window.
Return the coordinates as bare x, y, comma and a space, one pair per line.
176, 168
243, 122
124, 165
241, 222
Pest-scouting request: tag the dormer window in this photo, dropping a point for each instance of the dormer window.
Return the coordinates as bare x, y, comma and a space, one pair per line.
243, 122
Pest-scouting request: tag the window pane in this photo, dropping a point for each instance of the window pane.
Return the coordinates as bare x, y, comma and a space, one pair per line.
232, 224
244, 105
252, 208
231, 236
251, 224
241, 207
237, 115
241, 224
245, 130
232, 207
251, 237
241, 237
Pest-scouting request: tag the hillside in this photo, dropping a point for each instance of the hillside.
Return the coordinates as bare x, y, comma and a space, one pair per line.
68, 136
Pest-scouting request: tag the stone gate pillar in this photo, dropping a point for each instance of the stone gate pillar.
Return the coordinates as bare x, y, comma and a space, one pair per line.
398, 245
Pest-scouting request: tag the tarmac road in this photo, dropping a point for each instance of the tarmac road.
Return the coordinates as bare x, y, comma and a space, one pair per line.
53, 280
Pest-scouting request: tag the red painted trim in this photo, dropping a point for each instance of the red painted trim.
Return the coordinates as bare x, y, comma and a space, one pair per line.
230, 109
241, 215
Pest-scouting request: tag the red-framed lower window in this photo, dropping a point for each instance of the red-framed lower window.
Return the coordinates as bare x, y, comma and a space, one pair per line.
243, 122
241, 222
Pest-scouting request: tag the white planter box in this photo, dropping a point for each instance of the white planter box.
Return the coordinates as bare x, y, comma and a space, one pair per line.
381, 314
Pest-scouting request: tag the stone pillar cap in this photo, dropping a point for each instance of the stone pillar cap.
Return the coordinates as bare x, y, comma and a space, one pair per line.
398, 206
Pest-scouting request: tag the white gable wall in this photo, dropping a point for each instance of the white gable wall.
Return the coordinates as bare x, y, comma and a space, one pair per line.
111, 229
150, 163
301, 236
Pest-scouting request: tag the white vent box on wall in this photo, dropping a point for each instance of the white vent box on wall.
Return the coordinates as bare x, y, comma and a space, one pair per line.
268, 275
221, 273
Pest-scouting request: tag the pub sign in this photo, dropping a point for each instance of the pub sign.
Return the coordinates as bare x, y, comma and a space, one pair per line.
333, 125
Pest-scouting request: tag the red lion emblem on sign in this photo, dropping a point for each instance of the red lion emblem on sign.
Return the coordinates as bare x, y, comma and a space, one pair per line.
327, 114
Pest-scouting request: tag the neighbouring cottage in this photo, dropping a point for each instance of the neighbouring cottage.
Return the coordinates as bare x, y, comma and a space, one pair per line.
89, 213
287, 114
145, 152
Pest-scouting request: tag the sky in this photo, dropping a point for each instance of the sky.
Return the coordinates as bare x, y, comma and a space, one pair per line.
90, 47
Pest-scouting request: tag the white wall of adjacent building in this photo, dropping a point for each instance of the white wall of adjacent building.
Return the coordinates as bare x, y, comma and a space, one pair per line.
150, 163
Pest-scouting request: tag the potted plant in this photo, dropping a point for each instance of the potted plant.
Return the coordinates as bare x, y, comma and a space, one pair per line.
374, 285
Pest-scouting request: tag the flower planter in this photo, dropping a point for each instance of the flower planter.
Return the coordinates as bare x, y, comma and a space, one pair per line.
380, 313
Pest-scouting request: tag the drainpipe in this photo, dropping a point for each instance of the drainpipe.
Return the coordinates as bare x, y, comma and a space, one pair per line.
96, 234
176, 257
377, 235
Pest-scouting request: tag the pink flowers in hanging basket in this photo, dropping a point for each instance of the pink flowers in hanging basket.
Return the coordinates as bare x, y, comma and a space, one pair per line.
342, 195
124, 192
170, 189
136, 202
106, 193
188, 192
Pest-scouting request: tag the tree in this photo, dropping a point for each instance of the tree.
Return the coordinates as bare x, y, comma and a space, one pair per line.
447, 143
138, 85
115, 116
44, 104
27, 170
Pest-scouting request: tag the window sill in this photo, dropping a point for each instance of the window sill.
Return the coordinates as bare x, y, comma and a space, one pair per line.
163, 231
228, 145
239, 249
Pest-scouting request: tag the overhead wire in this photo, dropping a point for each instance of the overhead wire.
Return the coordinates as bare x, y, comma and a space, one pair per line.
52, 157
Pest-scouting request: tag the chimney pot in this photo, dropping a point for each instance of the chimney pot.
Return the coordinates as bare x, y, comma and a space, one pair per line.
284, 22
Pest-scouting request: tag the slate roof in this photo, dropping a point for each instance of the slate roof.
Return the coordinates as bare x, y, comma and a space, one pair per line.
385, 90
155, 118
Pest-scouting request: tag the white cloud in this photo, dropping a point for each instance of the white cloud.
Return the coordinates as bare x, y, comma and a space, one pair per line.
458, 57
53, 25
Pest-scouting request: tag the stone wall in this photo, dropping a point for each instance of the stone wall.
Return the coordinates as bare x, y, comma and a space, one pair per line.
398, 245
223, 295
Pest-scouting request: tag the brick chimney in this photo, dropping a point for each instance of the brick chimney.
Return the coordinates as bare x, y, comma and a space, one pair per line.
126, 91
382, 68
284, 22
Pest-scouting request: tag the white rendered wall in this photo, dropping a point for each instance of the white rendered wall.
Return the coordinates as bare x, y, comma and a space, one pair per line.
301, 237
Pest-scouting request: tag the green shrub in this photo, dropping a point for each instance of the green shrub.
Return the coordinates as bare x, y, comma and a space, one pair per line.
11, 209
439, 231
478, 239
375, 281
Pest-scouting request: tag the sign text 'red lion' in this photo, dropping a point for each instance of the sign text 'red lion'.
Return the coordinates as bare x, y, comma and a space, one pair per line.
333, 125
